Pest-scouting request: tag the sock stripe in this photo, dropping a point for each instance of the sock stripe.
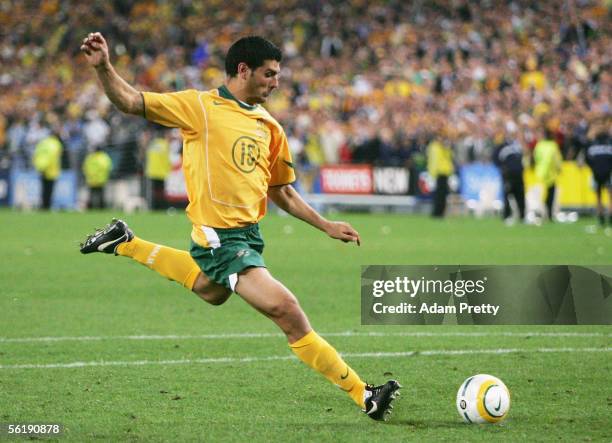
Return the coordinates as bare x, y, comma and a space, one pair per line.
153, 255
171, 263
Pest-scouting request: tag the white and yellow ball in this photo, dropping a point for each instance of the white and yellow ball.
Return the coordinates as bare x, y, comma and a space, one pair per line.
483, 398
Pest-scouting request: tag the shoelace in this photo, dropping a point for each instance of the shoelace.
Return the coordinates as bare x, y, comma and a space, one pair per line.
97, 232
371, 388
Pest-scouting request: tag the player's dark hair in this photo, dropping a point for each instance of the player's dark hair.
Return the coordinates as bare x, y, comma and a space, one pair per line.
252, 50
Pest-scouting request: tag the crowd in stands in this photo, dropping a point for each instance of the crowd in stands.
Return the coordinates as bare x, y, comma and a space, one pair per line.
363, 81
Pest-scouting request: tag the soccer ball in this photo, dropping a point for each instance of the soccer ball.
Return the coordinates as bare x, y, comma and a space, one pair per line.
483, 398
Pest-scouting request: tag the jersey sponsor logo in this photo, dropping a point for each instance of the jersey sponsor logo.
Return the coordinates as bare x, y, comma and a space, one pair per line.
245, 153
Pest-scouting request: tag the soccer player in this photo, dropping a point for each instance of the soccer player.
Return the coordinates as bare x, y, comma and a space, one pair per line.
235, 155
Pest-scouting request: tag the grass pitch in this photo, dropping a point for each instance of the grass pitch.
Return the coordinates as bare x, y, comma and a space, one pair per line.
114, 352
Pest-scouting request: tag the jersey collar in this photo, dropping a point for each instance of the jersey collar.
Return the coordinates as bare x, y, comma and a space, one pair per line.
225, 93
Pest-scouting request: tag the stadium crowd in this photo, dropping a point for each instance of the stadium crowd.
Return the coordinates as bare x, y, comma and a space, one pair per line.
364, 81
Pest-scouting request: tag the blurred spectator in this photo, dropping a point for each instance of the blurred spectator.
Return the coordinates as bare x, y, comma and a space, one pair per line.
508, 157
332, 138
360, 73
157, 169
3, 126
16, 135
547, 157
393, 152
95, 129
48, 162
532, 77
74, 137
440, 168
599, 158
97, 168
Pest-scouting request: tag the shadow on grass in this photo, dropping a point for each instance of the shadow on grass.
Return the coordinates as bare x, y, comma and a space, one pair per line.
414, 424
426, 424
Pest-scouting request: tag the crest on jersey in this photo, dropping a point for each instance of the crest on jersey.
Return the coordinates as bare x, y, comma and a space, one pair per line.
246, 153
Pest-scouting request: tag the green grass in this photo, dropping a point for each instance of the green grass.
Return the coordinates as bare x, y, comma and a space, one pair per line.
48, 289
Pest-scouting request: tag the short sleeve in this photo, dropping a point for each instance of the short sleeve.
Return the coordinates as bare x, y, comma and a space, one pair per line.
176, 109
282, 171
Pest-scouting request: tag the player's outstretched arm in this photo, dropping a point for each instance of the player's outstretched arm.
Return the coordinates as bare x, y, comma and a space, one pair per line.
287, 198
120, 93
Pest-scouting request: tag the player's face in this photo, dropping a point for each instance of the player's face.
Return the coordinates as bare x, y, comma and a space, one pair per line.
262, 81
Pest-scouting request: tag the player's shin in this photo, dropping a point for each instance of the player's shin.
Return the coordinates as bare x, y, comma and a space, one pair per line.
323, 358
172, 263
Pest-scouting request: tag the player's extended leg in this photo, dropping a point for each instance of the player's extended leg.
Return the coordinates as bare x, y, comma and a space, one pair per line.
273, 299
266, 294
176, 265
171, 263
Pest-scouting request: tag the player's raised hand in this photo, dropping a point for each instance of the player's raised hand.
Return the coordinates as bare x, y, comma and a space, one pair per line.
343, 231
95, 49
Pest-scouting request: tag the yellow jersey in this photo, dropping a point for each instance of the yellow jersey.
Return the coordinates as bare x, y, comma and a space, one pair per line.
548, 160
48, 157
439, 159
158, 159
97, 168
232, 153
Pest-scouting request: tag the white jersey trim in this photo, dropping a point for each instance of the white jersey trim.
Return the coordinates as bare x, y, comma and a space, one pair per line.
211, 236
233, 280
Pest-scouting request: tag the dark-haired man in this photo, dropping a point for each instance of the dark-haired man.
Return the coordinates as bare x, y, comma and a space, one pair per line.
235, 155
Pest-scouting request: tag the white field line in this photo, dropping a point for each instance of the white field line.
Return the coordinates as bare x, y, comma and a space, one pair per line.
81, 364
249, 335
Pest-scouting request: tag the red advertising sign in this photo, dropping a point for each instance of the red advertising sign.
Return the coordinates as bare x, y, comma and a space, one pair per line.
346, 179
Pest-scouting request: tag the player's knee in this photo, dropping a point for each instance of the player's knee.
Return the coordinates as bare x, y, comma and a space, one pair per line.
286, 307
210, 292
215, 297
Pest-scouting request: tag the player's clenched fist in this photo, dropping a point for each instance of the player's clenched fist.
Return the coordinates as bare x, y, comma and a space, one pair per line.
95, 49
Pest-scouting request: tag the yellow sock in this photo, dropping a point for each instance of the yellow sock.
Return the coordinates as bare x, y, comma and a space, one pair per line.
323, 358
171, 263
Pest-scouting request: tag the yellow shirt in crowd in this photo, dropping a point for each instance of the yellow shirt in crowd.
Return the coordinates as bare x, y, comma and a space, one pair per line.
547, 157
158, 159
97, 168
439, 159
48, 157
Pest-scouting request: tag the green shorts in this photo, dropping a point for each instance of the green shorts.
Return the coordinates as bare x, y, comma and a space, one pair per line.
234, 250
